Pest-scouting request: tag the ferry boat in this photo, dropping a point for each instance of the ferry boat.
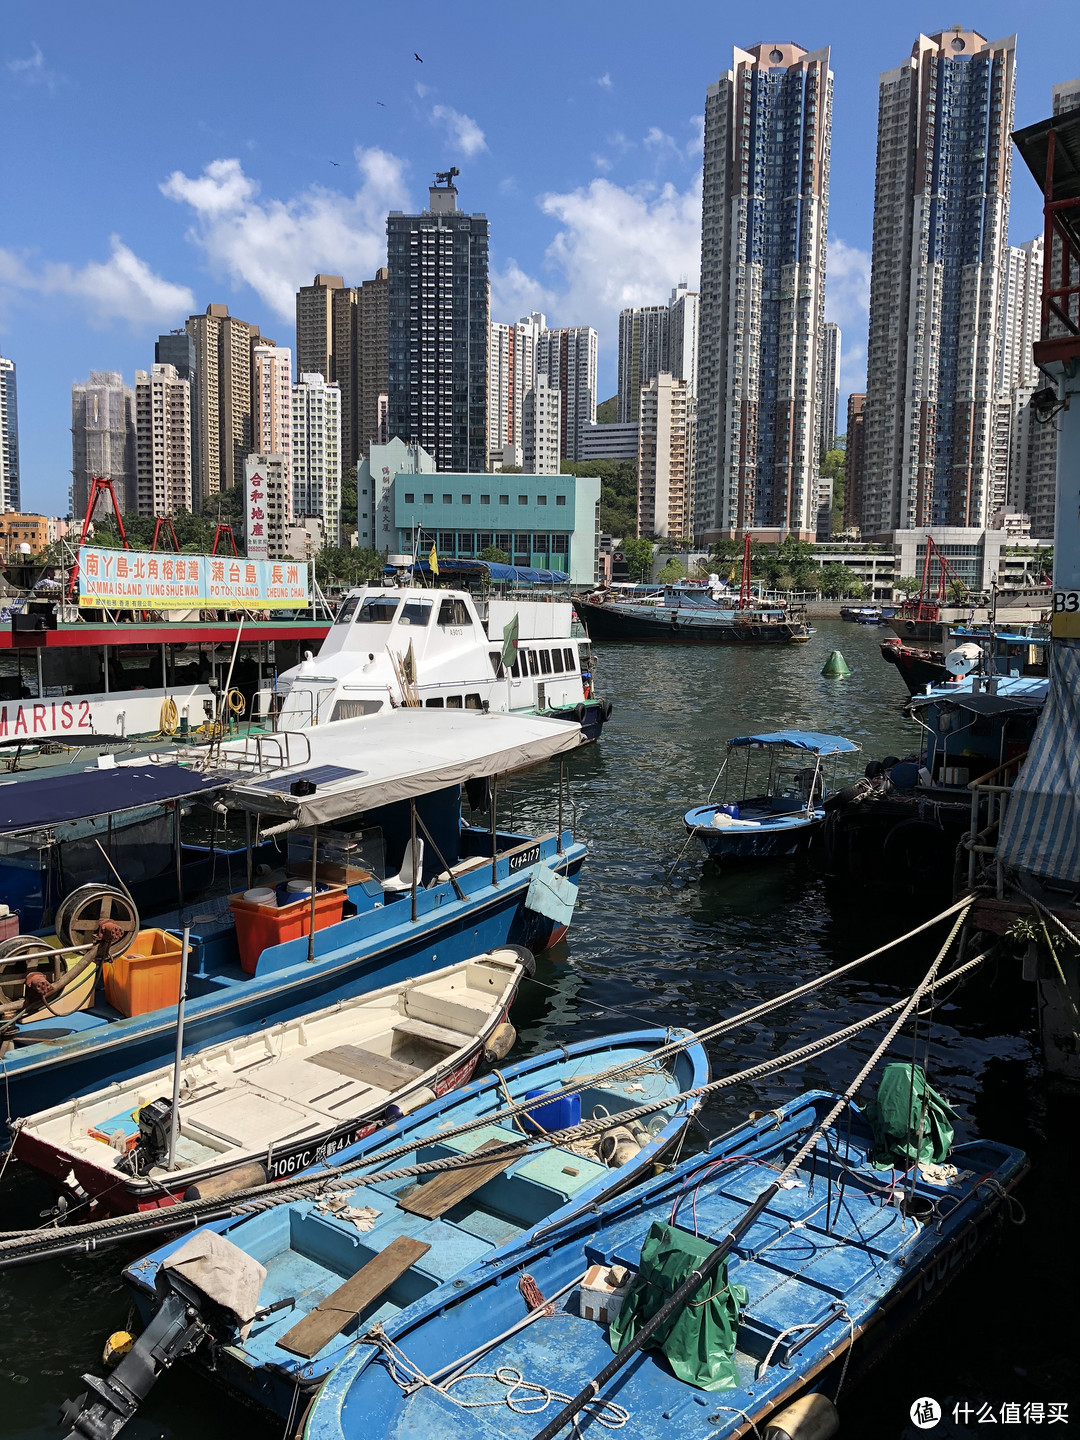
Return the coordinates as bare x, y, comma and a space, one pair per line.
71, 687
441, 649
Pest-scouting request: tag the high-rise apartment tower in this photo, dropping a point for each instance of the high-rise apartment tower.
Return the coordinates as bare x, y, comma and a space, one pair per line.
438, 331
103, 439
224, 432
665, 458
643, 353
316, 454
163, 441
765, 200
341, 335
829, 405
9, 437
941, 208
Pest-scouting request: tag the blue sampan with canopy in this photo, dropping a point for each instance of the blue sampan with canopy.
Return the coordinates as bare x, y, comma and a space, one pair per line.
778, 816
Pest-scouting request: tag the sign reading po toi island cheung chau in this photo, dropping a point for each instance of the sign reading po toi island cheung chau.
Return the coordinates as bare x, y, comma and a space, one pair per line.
134, 580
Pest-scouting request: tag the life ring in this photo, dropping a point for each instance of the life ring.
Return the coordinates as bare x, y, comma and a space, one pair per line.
909, 627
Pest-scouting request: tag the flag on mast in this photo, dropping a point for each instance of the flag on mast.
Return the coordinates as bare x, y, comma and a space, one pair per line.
433, 561
510, 643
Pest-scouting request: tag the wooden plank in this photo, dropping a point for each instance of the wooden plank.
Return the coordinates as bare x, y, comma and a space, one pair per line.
366, 1065
308, 1336
450, 1186
438, 1034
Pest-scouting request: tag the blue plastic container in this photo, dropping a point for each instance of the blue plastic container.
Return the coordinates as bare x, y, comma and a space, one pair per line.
732, 810
558, 1112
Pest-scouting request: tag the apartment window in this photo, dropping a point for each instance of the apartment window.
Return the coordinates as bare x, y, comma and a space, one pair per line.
560, 499
504, 540
541, 499
409, 499
447, 499
504, 499
485, 499
523, 499
429, 499
446, 540
466, 499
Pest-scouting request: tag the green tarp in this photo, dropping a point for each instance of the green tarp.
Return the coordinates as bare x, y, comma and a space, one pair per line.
904, 1102
699, 1339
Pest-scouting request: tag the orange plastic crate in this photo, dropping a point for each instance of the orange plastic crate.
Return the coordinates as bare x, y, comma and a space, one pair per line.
147, 976
260, 926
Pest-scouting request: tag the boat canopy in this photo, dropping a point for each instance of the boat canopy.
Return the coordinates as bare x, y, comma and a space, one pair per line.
1010, 693
518, 574
800, 740
34, 803
357, 765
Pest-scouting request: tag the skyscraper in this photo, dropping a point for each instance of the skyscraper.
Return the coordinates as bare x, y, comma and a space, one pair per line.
341, 335
103, 439
271, 382
163, 441
541, 431
177, 349
829, 404
854, 460
643, 353
438, 331
665, 458
316, 453
765, 200
683, 335
511, 375
941, 207
9, 437
568, 358
224, 434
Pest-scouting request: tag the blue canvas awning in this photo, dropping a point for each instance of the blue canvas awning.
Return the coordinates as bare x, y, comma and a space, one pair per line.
517, 574
800, 740
1041, 829
33, 803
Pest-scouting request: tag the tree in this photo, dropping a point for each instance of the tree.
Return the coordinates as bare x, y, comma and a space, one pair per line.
618, 491
957, 592
638, 554
837, 580
726, 549
344, 566
511, 470
349, 503
672, 571
493, 555
607, 411
908, 585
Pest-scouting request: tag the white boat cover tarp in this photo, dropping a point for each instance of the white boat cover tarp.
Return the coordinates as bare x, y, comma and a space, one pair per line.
360, 764
223, 1272
1041, 829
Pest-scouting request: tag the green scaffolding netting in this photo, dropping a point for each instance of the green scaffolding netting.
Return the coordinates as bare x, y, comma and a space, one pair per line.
698, 1339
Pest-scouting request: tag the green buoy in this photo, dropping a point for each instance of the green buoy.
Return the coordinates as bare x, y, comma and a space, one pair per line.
836, 667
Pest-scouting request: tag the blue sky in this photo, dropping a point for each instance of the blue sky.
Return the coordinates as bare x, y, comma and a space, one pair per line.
157, 158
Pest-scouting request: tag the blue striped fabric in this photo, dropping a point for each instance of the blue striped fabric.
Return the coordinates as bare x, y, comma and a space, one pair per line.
1041, 829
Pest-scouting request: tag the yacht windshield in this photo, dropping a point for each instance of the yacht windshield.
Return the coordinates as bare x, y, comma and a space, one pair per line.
348, 610
377, 610
415, 612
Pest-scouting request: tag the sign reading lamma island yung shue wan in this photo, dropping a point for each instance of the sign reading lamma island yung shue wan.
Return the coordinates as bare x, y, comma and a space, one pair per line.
119, 579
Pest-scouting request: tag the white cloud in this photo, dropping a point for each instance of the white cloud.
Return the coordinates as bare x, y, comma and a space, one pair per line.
120, 288
605, 82
463, 131
277, 245
847, 304
615, 247
602, 163
514, 293
697, 144
422, 89
33, 70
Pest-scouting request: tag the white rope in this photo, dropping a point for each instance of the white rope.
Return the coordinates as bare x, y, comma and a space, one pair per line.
791, 1330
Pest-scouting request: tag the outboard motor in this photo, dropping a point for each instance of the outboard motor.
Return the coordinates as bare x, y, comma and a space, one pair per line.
152, 1146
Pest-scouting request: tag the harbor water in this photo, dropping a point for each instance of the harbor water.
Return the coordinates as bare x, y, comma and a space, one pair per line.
687, 950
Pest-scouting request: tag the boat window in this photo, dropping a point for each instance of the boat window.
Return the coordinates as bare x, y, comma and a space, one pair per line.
348, 610
453, 702
454, 612
569, 657
377, 610
545, 662
515, 668
557, 662
534, 664
73, 670
435, 702
473, 702
496, 663
353, 709
415, 612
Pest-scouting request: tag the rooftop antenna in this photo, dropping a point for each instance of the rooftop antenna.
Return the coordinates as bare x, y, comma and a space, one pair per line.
446, 177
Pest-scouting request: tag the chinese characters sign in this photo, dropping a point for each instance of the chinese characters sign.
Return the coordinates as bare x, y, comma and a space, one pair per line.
126, 579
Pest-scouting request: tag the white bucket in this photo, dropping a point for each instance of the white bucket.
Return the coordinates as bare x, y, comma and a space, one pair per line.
261, 895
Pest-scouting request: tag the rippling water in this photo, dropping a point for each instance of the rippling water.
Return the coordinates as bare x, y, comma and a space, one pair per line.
648, 950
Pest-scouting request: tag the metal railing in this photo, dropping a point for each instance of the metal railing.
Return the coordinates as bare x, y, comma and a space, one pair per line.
991, 791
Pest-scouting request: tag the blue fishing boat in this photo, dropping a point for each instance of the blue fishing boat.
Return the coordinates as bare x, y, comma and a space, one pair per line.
367, 813
775, 815
823, 1268
315, 1253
